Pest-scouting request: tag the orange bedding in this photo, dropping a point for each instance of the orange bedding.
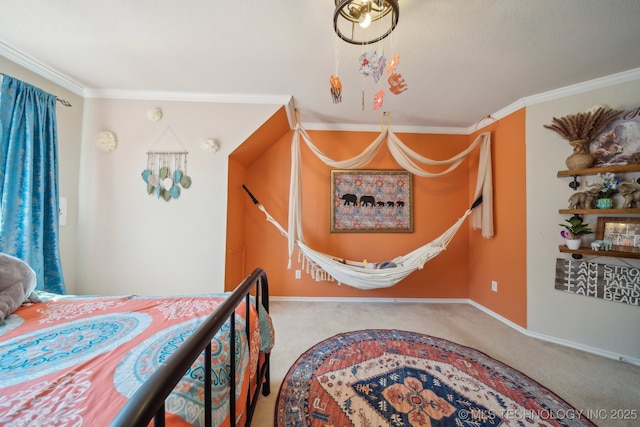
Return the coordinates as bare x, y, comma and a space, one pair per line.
74, 361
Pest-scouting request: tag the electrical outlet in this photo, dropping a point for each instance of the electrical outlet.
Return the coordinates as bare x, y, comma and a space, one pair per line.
494, 286
298, 274
62, 211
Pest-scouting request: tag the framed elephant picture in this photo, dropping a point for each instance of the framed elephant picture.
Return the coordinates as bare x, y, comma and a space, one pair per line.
371, 201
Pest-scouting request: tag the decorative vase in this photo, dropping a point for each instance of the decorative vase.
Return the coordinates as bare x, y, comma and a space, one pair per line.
581, 157
573, 243
605, 203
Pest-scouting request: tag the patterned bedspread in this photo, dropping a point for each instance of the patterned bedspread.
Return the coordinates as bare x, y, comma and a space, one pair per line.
74, 361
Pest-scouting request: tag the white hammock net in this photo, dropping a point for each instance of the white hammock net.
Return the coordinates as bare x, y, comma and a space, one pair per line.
326, 267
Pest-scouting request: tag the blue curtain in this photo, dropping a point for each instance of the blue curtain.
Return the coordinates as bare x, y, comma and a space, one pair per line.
29, 180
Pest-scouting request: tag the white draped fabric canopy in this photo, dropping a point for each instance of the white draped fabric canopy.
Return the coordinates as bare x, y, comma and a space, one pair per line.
326, 267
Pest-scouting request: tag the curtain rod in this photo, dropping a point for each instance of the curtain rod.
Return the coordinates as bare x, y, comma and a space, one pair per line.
64, 102
60, 100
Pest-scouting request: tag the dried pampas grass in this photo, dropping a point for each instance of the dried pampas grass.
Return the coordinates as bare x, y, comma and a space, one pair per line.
585, 125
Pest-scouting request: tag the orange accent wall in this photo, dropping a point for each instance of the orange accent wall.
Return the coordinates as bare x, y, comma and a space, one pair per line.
504, 257
240, 161
438, 202
464, 270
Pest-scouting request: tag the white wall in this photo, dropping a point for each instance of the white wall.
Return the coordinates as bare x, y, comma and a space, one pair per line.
591, 322
131, 242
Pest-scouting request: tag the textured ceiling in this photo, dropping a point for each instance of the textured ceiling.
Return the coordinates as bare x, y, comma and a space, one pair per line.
461, 59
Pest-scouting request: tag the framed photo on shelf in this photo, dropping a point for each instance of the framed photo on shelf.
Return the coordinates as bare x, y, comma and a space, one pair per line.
623, 232
371, 201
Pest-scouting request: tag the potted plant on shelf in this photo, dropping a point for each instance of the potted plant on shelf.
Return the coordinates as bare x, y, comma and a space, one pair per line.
579, 129
574, 231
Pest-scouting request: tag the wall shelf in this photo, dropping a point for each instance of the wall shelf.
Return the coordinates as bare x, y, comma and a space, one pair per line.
588, 251
629, 211
577, 253
595, 171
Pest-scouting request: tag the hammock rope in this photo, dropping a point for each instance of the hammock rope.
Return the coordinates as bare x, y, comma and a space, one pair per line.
326, 267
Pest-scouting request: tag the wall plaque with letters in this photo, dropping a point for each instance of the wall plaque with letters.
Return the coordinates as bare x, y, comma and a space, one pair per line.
609, 282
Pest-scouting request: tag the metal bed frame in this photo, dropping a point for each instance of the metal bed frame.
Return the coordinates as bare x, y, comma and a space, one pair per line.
148, 402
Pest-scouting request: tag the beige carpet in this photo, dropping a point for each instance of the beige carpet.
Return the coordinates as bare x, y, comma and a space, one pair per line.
584, 380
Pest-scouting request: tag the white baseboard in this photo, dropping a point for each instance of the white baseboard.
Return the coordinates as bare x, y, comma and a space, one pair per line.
556, 340
350, 299
543, 337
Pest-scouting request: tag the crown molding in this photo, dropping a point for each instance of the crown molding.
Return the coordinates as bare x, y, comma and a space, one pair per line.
377, 128
188, 96
589, 85
500, 114
79, 89
563, 92
42, 70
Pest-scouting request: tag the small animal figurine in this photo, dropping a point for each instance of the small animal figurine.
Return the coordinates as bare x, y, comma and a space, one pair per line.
602, 244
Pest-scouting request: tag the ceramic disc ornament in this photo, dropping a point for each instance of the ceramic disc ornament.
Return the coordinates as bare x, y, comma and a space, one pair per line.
174, 191
164, 172
153, 180
167, 183
146, 174
185, 181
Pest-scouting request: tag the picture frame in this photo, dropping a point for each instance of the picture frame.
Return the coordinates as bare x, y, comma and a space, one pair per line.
371, 201
623, 232
619, 143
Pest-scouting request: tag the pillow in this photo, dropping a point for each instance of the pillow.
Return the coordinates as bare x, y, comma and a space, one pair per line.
17, 283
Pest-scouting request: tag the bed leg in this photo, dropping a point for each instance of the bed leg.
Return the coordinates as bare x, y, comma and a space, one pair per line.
266, 385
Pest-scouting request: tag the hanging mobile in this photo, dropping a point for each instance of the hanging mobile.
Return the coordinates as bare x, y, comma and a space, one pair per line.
336, 89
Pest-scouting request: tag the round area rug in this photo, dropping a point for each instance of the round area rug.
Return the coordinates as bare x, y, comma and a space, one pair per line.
391, 378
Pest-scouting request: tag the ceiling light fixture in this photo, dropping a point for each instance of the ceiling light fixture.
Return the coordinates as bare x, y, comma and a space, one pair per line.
365, 21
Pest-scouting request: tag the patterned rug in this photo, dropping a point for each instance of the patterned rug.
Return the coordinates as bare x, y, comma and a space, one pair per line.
390, 378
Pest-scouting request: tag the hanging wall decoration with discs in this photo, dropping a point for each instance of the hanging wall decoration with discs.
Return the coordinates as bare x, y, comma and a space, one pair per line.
166, 173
